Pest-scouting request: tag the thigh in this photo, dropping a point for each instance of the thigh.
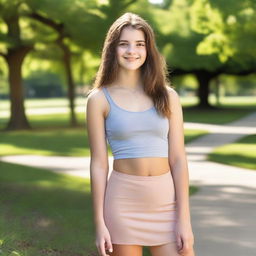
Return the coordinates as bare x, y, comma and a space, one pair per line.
169, 249
126, 250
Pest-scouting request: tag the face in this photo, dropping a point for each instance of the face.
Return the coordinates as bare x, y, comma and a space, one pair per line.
131, 49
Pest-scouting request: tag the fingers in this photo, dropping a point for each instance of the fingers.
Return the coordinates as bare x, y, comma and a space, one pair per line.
109, 245
104, 246
186, 248
101, 248
179, 243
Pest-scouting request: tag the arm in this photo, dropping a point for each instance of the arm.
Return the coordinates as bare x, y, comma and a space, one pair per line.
179, 167
98, 165
99, 157
177, 157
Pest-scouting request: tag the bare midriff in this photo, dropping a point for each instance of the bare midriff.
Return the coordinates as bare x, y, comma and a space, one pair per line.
148, 166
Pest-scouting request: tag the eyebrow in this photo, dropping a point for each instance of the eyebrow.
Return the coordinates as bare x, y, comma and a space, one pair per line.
136, 41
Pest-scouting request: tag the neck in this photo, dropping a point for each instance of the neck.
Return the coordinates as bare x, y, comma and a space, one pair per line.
129, 79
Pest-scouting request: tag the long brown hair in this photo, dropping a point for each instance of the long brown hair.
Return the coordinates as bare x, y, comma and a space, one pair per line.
153, 71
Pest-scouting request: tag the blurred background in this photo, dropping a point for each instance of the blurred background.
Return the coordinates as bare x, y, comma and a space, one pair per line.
49, 54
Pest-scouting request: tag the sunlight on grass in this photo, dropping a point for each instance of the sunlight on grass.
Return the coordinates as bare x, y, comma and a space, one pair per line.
61, 142
41, 211
193, 134
241, 153
214, 116
67, 142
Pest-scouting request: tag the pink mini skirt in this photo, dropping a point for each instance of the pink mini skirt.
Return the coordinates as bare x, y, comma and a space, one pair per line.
140, 210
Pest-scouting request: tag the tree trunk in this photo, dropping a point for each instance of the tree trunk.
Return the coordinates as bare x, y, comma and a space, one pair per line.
14, 58
217, 84
60, 28
70, 82
203, 79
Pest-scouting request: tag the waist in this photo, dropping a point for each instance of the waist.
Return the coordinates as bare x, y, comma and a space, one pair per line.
149, 166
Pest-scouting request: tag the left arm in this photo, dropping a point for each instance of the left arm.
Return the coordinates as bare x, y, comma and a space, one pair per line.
179, 169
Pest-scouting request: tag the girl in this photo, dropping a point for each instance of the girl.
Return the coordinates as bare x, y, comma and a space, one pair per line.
145, 201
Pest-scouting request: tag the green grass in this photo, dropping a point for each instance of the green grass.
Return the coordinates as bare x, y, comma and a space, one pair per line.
241, 153
64, 142
193, 134
61, 142
44, 103
223, 113
214, 116
43, 213
54, 120
225, 102
45, 121
46, 214
236, 101
229, 101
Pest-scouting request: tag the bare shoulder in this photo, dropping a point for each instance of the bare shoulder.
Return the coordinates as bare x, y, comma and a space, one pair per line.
173, 97
95, 95
172, 92
96, 99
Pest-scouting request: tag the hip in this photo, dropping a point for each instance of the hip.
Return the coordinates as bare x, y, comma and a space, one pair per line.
140, 190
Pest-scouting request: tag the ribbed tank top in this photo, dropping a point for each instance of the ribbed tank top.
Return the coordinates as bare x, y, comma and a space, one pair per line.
135, 134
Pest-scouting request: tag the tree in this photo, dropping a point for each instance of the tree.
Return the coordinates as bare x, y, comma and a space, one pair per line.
19, 41
16, 49
83, 25
196, 38
67, 27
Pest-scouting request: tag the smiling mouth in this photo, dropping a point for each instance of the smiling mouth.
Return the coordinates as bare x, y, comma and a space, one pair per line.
131, 58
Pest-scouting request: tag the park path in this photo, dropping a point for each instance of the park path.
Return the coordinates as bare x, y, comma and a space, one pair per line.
223, 211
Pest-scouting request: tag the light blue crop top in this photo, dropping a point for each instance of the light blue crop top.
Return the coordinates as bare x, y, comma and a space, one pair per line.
133, 134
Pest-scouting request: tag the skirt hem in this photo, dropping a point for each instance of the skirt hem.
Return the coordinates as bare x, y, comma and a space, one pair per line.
145, 244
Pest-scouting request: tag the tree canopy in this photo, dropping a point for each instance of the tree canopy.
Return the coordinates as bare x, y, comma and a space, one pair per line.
201, 37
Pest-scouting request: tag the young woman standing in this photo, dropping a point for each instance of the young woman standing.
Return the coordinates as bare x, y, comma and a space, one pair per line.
145, 201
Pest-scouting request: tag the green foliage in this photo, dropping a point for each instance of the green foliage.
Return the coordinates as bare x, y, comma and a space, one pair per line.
178, 41
207, 35
228, 27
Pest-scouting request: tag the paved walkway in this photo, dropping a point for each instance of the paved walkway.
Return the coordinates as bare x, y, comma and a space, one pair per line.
223, 211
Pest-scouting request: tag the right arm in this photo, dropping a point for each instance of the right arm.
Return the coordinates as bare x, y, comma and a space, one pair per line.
98, 165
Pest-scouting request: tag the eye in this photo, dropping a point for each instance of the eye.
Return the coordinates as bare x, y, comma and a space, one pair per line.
140, 44
122, 44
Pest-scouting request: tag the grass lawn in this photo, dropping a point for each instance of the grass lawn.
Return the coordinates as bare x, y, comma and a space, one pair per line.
49, 121
241, 153
221, 114
45, 214
214, 116
58, 141
226, 101
44, 103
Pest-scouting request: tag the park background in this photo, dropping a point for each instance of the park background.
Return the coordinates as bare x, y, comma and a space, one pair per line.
49, 54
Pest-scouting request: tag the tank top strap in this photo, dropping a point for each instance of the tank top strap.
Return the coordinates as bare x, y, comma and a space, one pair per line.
110, 101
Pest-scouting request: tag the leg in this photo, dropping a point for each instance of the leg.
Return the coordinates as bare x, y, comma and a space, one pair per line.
126, 250
164, 250
169, 249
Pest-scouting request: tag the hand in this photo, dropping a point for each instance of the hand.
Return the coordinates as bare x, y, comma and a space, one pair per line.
185, 238
103, 241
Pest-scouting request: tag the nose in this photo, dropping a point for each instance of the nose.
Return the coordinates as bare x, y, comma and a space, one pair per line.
130, 49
